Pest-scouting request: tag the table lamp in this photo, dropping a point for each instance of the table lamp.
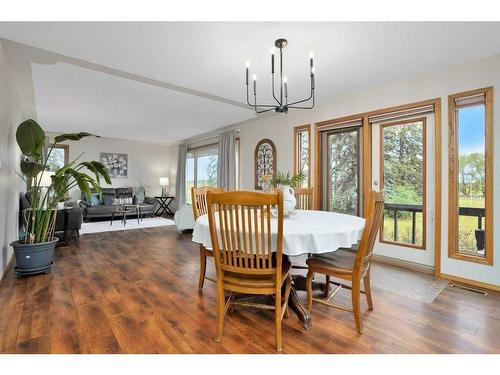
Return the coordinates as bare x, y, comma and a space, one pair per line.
164, 182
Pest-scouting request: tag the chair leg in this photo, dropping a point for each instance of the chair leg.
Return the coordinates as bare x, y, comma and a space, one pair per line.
220, 311
356, 294
288, 287
368, 290
277, 319
309, 279
327, 286
203, 268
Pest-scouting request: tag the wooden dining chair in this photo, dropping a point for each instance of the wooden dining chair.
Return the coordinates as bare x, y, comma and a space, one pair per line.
200, 207
304, 198
349, 265
248, 256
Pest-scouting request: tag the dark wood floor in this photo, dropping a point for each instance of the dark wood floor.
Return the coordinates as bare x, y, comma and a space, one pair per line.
135, 292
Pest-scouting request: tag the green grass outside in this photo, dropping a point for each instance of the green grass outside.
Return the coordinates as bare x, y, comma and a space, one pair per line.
466, 227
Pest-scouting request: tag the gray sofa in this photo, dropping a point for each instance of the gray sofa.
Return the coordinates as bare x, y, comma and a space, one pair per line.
110, 200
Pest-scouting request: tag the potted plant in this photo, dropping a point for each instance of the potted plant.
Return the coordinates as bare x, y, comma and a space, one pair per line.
35, 248
286, 183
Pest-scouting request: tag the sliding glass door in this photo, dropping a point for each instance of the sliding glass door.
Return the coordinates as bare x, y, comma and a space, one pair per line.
342, 170
201, 169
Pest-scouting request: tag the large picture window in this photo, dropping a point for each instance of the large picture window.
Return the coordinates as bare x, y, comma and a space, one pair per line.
201, 168
58, 158
302, 152
471, 176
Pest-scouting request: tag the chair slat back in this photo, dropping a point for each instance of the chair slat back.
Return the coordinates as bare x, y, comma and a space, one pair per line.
304, 199
199, 199
372, 224
241, 235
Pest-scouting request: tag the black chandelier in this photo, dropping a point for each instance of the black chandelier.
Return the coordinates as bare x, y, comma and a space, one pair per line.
282, 104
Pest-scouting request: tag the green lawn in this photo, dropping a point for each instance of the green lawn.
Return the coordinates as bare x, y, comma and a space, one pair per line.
466, 227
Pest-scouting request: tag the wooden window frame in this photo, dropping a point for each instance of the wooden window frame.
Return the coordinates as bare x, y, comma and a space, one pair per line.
423, 120
367, 169
296, 154
453, 218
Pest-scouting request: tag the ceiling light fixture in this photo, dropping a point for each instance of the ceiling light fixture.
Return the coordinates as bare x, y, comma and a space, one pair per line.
282, 104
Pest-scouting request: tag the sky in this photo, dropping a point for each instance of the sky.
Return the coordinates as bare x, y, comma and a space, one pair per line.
203, 162
471, 130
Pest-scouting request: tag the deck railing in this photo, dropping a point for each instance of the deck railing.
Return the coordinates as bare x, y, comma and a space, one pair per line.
413, 209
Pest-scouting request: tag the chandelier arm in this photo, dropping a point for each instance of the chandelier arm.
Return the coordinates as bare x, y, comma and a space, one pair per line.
301, 107
311, 96
274, 96
265, 110
248, 99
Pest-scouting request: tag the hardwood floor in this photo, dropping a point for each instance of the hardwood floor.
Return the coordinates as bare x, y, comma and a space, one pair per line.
121, 292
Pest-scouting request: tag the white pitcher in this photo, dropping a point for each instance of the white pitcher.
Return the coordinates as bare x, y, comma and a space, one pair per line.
289, 201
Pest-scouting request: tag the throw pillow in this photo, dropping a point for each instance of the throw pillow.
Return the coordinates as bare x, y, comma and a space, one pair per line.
94, 199
108, 200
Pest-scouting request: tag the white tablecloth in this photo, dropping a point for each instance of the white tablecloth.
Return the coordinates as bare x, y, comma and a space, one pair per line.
306, 232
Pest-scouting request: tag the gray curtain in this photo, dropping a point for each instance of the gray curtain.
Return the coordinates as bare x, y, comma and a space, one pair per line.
226, 166
180, 183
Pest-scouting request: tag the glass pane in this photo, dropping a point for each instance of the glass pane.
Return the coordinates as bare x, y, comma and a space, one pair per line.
303, 144
206, 172
343, 172
56, 159
403, 182
471, 179
189, 178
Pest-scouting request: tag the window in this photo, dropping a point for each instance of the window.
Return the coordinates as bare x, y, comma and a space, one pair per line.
58, 157
470, 218
201, 168
402, 176
341, 163
302, 152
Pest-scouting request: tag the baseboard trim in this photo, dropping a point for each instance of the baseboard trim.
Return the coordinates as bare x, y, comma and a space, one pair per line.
478, 284
403, 264
7, 270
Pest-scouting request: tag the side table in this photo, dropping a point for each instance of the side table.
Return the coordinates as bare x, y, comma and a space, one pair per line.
164, 203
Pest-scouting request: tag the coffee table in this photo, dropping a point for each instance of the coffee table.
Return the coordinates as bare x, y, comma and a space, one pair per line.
125, 209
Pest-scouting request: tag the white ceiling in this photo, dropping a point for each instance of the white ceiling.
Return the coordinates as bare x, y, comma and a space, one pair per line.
198, 68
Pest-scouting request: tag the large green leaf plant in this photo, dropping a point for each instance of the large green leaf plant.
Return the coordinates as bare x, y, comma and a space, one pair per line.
85, 175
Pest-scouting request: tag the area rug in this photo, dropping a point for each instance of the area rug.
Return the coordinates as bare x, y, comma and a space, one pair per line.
103, 226
407, 283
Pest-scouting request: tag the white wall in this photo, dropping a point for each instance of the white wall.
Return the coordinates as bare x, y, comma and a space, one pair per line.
440, 84
10, 183
146, 162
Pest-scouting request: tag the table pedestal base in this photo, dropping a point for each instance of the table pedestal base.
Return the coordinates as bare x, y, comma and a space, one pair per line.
299, 283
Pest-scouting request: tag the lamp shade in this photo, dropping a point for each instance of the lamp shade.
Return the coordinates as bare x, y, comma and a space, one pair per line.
164, 181
45, 179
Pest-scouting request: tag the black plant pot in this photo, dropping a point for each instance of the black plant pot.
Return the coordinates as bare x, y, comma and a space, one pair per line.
33, 258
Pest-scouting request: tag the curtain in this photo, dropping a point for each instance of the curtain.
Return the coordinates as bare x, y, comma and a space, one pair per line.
226, 166
180, 183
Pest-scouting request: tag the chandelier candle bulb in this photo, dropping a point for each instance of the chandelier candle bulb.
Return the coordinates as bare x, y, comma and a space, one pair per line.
247, 74
272, 62
254, 84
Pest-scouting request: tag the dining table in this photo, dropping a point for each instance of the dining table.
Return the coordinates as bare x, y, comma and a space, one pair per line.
304, 232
